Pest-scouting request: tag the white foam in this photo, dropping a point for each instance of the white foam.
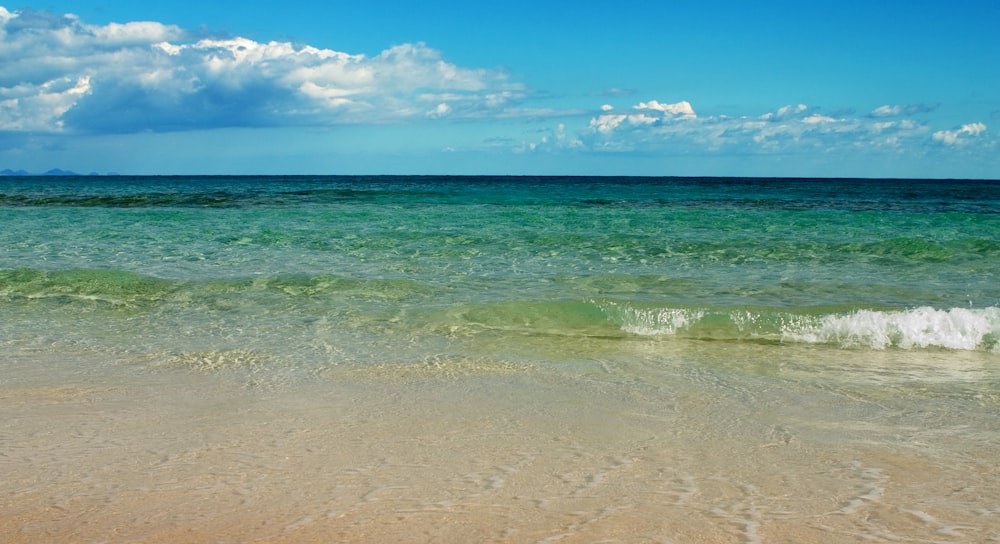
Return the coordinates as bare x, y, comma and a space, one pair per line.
917, 328
957, 328
662, 321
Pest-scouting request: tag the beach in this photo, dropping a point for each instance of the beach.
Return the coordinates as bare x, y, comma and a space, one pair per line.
466, 450
499, 360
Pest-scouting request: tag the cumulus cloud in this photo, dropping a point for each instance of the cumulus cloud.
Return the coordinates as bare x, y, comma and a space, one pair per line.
26, 107
680, 109
642, 114
960, 136
62, 74
785, 112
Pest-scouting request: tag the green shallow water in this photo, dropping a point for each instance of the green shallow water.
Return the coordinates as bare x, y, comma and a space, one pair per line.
289, 267
828, 261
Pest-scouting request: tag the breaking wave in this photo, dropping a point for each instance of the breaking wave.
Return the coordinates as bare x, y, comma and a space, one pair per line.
409, 307
915, 328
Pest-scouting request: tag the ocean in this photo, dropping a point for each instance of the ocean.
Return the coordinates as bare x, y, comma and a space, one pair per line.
499, 359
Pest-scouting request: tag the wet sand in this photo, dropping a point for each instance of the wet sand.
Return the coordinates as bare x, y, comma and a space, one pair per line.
463, 452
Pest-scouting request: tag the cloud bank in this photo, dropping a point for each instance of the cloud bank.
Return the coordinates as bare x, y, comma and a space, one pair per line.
653, 126
61, 74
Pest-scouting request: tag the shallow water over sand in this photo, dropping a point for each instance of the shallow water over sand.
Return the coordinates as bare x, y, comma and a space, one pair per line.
670, 445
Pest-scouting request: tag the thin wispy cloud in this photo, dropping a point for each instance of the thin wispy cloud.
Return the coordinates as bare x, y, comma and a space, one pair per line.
897, 110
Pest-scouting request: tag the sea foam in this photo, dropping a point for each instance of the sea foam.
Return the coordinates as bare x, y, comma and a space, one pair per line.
916, 328
925, 327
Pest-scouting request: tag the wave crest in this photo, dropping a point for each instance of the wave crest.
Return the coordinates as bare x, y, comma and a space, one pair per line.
916, 328
926, 327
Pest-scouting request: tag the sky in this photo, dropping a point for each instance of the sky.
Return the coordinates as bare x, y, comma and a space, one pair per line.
822, 88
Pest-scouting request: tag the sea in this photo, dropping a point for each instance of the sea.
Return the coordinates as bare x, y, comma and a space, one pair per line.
499, 359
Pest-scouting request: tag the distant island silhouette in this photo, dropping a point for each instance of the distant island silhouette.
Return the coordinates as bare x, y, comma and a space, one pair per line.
52, 172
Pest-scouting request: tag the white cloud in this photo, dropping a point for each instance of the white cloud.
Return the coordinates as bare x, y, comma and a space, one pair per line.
149, 76
785, 112
441, 110
817, 118
134, 33
960, 136
887, 111
332, 98
39, 108
607, 123
647, 114
680, 109
672, 128
901, 109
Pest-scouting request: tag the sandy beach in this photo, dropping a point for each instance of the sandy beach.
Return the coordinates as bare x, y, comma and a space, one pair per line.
464, 451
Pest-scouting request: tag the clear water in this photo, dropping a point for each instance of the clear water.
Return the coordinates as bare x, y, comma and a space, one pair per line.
502, 359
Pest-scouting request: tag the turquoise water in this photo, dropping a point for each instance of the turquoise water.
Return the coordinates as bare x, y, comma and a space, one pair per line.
868, 264
549, 359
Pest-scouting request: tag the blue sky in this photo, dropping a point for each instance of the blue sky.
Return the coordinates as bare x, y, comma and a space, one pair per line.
848, 88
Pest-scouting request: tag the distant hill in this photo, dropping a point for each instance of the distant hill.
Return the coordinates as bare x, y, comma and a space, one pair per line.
52, 172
